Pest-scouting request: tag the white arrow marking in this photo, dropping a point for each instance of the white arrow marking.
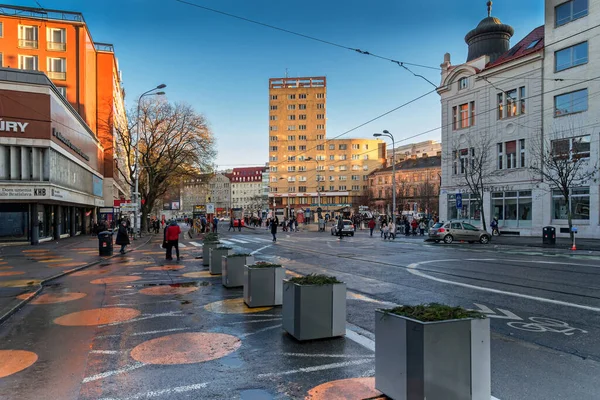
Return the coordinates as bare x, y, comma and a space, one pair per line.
491, 314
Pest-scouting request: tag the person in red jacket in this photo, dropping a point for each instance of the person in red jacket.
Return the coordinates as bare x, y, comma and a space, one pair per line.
372, 225
172, 233
414, 224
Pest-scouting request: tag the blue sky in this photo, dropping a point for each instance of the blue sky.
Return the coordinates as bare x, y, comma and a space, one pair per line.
221, 65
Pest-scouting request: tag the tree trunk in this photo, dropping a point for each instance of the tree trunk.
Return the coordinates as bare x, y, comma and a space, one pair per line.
569, 218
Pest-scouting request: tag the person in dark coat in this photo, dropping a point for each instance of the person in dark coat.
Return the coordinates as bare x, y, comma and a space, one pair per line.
122, 236
274, 223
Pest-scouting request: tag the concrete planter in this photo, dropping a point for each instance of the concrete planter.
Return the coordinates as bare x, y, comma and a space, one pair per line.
447, 360
263, 286
233, 270
215, 258
314, 311
206, 246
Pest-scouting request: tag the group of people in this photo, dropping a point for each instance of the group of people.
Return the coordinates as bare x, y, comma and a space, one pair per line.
389, 228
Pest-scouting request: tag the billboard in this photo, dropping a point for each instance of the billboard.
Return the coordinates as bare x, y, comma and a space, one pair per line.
171, 200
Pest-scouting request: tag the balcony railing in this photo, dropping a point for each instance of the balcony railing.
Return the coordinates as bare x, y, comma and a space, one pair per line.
59, 76
57, 46
28, 44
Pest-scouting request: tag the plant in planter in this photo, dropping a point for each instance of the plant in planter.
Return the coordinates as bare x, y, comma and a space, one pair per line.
432, 351
263, 284
233, 269
211, 241
314, 307
215, 258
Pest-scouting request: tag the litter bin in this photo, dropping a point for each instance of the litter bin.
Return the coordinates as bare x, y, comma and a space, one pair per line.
549, 235
105, 244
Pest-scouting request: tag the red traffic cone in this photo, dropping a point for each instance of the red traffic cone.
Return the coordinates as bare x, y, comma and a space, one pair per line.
573, 247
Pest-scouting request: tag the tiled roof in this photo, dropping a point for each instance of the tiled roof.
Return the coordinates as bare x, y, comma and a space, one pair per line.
531, 43
247, 174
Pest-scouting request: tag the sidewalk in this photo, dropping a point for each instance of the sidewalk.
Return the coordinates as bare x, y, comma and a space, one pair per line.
25, 268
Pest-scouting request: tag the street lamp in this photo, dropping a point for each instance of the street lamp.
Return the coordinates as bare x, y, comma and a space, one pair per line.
136, 197
318, 182
388, 134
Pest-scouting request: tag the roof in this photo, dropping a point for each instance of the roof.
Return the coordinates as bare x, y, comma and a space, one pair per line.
247, 174
521, 49
415, 163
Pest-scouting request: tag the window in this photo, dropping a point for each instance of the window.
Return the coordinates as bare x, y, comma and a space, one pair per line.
343, 157
578, 204
57, 68
331, 188
463, 83
302, 189
570, 103
273, 128
321, 168
500, 154
320, 157
302, 148
273, 138
343, 168
273, 97
355, 177
291, 97
320, 126
302, 106
522, 99
302, 128
355, 188
331, 178
302, 116
570, 11
302, 137
291, 107
291, 127
320, 116
291, 158
365, 167
273, 158
302, 168
356, 147
332, 167
56, 39
28, 37
356, 167
291, 148
291, 169
320, 106
343, 177
291, 137
320, 147
342, 187
320, 95
356, 156
272, 117
571, 148
320, 137
273, 108
511, 103
273, 169
533, 44
331, 157
291, 117
291, 189
29, 63
62, 90
342, 147
511, 154
366, 157
522, 153
571, 56
302, 96
1, 30
463, 116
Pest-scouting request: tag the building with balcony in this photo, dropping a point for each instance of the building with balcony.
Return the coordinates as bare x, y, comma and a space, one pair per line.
247, 190
59, 44
306, 170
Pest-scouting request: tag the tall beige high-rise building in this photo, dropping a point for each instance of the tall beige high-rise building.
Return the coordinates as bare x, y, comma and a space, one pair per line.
307, 171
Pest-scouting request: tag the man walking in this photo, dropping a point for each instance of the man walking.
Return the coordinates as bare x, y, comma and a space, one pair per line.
172, 238
239, 225
215, 224
274, 223
372, 225
340, 227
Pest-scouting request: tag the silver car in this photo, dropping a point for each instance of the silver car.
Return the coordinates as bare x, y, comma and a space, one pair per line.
458, 230
347, 230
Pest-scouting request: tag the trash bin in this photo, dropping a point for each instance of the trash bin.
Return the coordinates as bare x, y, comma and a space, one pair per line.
105, 244
549, 235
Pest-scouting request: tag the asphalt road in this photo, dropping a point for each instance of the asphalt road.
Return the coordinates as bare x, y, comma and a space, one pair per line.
544, 308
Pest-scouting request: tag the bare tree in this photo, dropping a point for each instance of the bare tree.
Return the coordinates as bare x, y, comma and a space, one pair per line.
174, 143
562, 160
258, 203
366, 199
472, 164
428, 195
402, 193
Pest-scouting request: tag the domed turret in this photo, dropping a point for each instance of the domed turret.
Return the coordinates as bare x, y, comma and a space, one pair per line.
490, 38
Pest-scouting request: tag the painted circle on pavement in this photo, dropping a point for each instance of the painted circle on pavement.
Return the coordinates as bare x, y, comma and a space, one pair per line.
133, 263
345, 389
185, 348
5, 268
233, 306
51, 298
97, 316
3, 262
165, 290
198, 274
115, 279
56, 260
13, 361
165, 268
91, 272
11, 273
68, 265
36, 251
20, 283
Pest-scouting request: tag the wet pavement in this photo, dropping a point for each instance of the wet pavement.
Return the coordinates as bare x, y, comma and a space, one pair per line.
137, 326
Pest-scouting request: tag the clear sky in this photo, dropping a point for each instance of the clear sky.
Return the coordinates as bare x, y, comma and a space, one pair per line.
221, 65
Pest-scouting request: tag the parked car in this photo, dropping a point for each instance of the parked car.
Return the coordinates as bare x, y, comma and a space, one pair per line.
347, 230
457, 230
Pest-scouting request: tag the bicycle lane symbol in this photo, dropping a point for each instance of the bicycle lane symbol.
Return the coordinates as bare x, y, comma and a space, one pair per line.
541, 325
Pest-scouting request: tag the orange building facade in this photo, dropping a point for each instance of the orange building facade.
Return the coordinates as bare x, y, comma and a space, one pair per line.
86, 73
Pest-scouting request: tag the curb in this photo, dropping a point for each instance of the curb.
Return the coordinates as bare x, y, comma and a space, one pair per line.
17, 307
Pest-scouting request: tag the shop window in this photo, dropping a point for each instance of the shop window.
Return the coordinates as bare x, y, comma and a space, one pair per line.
579, 204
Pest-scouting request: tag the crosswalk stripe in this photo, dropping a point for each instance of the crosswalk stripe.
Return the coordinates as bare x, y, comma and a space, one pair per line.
263, 240
196, 244
181, 245
239, 241
225, 242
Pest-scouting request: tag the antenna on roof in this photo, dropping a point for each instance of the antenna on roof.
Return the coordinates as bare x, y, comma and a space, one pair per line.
489, 6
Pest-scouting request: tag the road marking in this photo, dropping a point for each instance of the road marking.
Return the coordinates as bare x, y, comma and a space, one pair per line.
360, 339
492, 314
317, 368
328, 355
239, 241
227, 242
541, 325
259, 331
255, 321
111, 373
195, 244
412, 268
108, 351
143, 333
161, 392
259, 250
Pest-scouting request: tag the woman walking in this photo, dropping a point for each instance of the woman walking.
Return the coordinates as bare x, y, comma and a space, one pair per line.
122, 236
274, 223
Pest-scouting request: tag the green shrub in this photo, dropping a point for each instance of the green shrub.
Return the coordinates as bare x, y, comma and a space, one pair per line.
434, 312
211, 237
315, 279
263, 264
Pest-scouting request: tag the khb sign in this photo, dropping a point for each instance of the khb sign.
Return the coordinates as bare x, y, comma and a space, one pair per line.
458, 201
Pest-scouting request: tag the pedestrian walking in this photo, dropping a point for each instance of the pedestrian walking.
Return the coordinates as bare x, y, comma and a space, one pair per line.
172, 233
422, 227
122, 236
382, 227
215, 225
340, 227
385, 231
392, 230
406, 227
231, 225
372, 225
274, 223
414, 224
494, 226
239, 225
296, 224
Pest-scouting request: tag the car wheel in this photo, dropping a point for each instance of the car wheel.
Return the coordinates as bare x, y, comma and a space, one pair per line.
448, 239
484, 239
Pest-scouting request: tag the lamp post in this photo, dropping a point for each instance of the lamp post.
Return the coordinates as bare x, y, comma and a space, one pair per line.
388, 134
136, 197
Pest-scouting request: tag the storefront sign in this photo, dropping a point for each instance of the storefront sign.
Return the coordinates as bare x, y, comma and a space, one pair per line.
69, 144
29, 191
12, 126
505, 188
